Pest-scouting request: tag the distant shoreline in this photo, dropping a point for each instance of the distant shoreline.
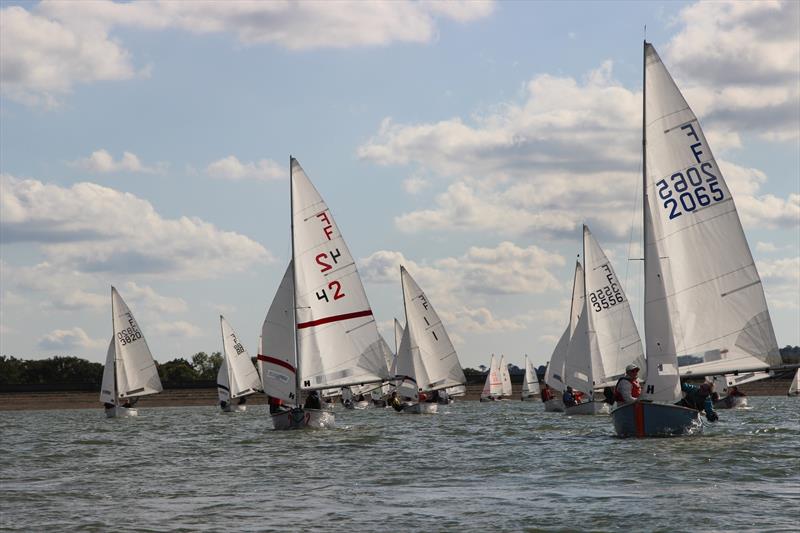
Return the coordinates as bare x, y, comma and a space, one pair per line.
38, 401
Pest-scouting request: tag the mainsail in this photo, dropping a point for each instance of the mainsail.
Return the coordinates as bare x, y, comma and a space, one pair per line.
493, 386
136, 371
530, 383
426, 353
703, 294
337, 340
554, 375
237, 375
277, 360
505, 377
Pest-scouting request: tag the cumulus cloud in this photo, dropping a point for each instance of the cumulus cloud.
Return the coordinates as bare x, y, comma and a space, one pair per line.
781, 280
69, 339
482, 273
152, 300
102, 162
739, 63
44, 52
230, 168
180, 328
567, 153
92, 228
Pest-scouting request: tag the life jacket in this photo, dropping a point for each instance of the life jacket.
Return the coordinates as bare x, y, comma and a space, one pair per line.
636, 389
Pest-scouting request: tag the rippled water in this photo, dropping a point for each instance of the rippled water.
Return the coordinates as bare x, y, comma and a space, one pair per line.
505, 466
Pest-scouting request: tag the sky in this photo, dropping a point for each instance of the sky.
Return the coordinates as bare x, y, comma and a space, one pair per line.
146, 145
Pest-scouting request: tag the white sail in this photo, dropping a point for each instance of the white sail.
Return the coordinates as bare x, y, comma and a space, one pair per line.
505, 377
223, 383
795, 386
337, 340
711, 295
136, 371
398, 334
610, 319
388, 356
583, 355
277, 358
428, 340
242, 375
108, 389
530, 383
554, 376
493, 386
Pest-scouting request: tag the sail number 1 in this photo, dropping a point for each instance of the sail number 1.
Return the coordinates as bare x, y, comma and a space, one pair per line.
697, 186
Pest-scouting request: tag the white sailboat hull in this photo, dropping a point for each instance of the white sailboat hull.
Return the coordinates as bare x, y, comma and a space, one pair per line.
643, 419
554, 406
731, 402
121, 412
588, 408
300, 418
421, 408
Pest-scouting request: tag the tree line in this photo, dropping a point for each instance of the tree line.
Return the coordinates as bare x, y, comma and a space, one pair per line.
200, 367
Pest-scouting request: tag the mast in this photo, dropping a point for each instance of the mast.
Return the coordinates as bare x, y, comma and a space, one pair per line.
644, 184
294, 286
114, 340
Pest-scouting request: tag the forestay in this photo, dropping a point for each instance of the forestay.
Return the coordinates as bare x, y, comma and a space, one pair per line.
554, 375
428, 341
711, 306
241, 374
135, 369
277, 358
337, 340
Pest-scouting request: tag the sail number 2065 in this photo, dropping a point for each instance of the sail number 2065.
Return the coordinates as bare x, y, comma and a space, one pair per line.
684, 192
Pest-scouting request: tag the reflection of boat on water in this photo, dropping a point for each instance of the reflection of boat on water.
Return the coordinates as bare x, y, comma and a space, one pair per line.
703, 295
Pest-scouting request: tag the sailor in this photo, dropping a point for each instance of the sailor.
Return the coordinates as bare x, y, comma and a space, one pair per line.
312, 401
568, 398
628, 389
547, 392
395, 402
699, 398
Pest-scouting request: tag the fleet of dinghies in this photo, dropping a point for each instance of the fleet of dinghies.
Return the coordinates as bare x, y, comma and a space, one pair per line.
704, 306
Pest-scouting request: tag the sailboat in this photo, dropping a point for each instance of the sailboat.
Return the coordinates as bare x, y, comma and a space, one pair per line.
493, 386
505, 378
554, 374
237, 377
530, 383
427, 362
605, 340
334, 341
794, 388
130, 371
726, 384
703, 296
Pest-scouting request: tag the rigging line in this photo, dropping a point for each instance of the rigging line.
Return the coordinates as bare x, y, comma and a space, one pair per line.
634, 212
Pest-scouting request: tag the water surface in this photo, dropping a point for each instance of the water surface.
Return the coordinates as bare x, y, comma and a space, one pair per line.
503, 466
